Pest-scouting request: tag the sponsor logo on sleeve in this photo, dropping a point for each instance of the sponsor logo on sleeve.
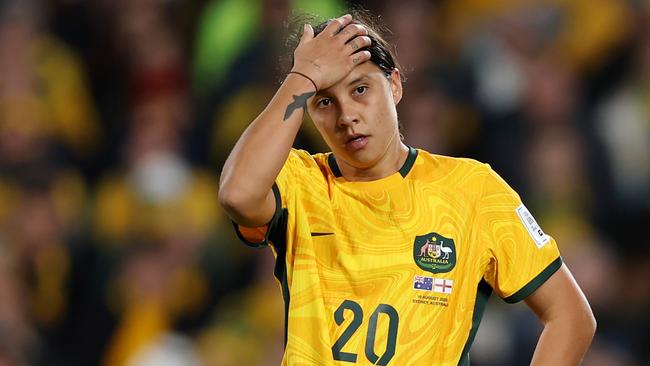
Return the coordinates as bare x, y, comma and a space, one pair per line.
532, 226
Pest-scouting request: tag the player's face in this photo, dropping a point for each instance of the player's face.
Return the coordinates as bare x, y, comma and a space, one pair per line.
357, 116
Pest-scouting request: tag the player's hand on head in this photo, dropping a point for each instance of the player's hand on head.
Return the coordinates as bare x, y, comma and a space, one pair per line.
333, 53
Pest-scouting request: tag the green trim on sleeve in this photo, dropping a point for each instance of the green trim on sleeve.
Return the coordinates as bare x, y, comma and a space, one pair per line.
535, 283
279, 239
273, 224
277, 236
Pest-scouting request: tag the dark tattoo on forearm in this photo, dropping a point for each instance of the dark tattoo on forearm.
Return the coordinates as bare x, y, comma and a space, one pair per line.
299, 101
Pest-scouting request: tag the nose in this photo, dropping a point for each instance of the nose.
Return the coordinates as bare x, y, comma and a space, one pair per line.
348, 116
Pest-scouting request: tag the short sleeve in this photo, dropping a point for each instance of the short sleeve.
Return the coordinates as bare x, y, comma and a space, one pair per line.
523, 257
297, 165
258, 237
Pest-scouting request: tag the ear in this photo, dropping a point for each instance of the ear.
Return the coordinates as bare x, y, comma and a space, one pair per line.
395, 81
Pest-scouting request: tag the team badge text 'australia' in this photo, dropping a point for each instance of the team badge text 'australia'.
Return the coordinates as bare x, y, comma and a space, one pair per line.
434, 253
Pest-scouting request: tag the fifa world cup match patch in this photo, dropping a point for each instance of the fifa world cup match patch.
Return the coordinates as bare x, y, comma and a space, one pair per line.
431, 286
532, 226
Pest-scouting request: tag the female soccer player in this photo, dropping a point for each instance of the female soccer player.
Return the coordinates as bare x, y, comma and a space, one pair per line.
386, 254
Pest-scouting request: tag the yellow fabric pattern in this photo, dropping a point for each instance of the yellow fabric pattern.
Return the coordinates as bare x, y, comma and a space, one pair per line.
389, 271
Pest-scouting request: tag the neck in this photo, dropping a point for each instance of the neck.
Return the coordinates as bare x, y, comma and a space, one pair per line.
389, 163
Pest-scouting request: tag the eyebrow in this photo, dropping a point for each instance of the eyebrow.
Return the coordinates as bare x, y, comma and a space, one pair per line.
356, 80
360, 78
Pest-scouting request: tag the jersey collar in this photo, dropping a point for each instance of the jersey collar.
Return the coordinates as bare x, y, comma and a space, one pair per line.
403, 171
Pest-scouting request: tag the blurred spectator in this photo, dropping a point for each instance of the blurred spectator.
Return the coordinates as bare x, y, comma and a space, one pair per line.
422, 110
43, 90
250, 320
18, 340
155, 213
623, 125
131, 101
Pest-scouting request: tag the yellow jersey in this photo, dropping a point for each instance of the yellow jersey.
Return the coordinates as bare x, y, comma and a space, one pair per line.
397, 271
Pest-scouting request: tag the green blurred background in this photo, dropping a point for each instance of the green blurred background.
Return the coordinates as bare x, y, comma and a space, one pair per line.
116, 116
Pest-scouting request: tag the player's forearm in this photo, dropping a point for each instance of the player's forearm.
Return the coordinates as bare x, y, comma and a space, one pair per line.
261, 151
565, 340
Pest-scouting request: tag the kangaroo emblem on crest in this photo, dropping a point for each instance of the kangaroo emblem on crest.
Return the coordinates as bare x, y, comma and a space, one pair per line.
427, 248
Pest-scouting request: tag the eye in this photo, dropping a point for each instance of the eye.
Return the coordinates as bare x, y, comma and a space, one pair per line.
361, 89
323, 103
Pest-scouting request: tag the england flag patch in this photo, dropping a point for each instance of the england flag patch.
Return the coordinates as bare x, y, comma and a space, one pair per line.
442, 286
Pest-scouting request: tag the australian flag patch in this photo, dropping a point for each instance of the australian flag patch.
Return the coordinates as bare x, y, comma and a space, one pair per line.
423, 283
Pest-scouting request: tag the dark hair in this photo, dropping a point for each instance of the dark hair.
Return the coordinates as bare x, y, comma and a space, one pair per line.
382, 53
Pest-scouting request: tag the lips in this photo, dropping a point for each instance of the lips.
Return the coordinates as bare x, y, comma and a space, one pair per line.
355, 137
356, 142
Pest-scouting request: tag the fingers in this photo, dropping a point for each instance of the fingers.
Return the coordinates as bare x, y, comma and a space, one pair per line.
331, 54
337, 24
351, 31
307, 33
360, 57
359, 42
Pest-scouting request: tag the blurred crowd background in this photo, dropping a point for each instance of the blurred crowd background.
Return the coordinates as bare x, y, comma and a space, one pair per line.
117, 115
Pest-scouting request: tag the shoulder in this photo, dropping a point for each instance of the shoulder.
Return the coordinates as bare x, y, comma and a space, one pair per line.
302, 163
300, 157
435, 166
304, 159
460, 176
444, 160
465, 174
